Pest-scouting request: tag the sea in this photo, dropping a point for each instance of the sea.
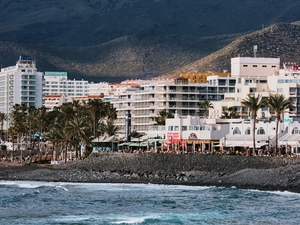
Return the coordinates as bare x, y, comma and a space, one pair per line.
28, 202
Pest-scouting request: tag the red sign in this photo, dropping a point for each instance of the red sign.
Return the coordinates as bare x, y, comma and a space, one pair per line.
172, 135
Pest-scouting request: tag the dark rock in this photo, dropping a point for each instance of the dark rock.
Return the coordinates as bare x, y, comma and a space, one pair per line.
265, 173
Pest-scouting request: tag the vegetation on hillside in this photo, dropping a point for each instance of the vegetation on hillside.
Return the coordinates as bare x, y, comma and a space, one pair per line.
279, 40
149, 56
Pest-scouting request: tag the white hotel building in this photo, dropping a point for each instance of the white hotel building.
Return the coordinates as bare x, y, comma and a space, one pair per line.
172, 95
57, 89
249, 76
20, 84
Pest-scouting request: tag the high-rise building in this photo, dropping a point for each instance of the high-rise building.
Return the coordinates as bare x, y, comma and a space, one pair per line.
20, 84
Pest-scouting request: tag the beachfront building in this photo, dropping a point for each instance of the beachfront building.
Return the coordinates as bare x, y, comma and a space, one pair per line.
58, 83
207, 135
55, 100
291, 139
262, 76
20, 84
194, 133
58, 89
99, 89
152, 96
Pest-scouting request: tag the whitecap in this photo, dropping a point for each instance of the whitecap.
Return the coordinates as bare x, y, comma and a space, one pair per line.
132, 220
282, 193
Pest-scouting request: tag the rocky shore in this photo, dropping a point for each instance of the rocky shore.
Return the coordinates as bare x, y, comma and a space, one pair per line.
263, 173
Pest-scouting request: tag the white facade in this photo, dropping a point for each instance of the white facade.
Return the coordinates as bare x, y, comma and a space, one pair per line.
285, 81
208, 134
172, 95
195, 133
20, 84
99, 88
246, 66
58, 83
57, 89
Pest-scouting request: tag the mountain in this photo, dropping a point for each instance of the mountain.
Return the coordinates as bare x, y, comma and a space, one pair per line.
277, 41
140, 56
93, 22
112, 40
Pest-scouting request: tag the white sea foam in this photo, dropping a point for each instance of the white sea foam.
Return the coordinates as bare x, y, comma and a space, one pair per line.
73, 218
133, 219
282, 193
32, 184
25, 184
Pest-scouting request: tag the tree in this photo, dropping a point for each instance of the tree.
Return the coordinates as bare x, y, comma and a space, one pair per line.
254, 103
97, 109
110, 112
206, 104
77, 131
162, 116
111, 129
3, 117
230, 113
56, 136
279, 104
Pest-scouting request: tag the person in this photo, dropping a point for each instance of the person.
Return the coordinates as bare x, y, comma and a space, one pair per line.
248, 152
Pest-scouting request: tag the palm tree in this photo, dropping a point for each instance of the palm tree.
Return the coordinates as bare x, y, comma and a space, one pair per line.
77, 131
279, 104
254, 103
110, 112
56, 136
162, 116
3, 117
97, 109
230, 113
206, 104
111, 129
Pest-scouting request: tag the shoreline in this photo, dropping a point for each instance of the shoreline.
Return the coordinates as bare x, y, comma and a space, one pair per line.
267, 173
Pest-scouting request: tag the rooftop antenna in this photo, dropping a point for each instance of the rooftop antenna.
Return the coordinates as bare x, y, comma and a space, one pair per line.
255, 50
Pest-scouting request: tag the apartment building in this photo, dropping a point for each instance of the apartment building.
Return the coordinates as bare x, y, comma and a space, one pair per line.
58, 83
265, 78
20, 84
58, 89
171, 95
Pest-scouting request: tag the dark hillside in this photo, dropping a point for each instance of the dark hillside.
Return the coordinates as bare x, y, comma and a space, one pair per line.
93, 22
279, 40
141, 56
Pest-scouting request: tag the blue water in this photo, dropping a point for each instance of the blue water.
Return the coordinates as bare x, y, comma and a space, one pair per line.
69, 203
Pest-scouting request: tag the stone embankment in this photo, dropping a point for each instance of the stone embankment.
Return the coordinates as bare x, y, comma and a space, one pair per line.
264, 173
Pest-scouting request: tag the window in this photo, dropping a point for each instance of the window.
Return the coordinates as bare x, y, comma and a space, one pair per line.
245, 65
247, 131
176, 128
264, 65
184, 128
170, 128
261, 131
236, 131
295, 130
254, 65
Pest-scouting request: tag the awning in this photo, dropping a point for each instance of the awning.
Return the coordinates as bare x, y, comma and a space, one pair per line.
124, 144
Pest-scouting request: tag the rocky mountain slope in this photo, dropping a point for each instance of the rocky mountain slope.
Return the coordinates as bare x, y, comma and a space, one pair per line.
93, 22
112, 40
277, 41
